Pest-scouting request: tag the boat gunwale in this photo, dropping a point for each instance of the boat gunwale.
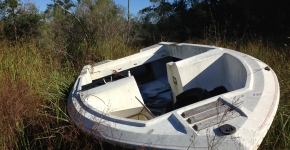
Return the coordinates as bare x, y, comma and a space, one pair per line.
141, 123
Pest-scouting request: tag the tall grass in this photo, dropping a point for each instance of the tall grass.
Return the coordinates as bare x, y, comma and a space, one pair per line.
35, 84
31, 84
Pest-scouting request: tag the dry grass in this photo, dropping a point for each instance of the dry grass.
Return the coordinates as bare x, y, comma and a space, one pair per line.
33, 96
36, 83
18, 106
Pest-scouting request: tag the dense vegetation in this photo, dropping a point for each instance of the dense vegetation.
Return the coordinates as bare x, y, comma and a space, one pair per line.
42, 53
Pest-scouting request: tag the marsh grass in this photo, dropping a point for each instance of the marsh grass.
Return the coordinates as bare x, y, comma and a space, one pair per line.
35, 84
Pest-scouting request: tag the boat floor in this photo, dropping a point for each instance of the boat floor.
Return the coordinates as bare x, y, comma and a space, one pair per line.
156, 95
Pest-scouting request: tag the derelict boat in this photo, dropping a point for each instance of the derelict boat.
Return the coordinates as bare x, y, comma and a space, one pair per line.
177, 96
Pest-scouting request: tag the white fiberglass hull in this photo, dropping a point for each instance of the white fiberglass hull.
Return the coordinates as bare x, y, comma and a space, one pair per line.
249, 106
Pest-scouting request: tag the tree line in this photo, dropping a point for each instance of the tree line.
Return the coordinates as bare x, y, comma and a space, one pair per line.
87, 23
180, 20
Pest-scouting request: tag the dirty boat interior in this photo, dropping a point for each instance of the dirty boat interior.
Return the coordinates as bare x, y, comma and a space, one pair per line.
156, 87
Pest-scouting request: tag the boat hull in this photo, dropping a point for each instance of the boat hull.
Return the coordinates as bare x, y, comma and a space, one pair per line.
246, 110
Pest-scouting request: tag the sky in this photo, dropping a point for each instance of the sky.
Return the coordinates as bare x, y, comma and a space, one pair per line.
135, 5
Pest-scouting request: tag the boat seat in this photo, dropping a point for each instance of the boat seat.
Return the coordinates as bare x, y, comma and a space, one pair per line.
191, 96
118, 98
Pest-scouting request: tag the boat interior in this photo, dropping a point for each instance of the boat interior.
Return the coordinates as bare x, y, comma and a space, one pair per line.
156, 87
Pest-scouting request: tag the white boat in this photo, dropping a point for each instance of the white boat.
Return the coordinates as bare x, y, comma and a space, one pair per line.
177, 96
